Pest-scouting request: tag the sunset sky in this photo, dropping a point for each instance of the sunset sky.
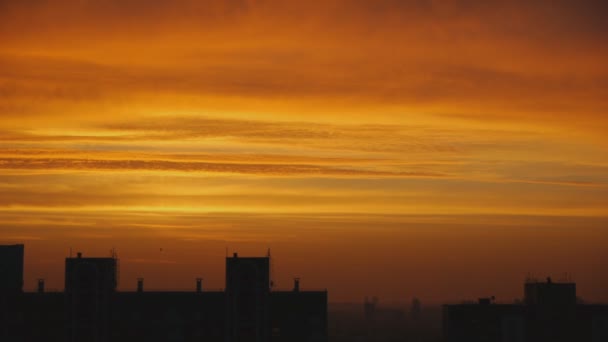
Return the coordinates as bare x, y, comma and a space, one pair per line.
438, 149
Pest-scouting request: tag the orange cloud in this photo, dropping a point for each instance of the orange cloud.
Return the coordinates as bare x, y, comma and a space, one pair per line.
400, 130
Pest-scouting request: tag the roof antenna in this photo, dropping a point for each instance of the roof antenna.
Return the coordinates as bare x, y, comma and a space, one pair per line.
271, 270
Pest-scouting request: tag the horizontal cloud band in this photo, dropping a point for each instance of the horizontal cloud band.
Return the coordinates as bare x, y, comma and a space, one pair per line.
192, 166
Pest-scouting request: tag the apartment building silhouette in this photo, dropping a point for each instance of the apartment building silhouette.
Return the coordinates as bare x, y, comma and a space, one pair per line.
550, 312
91, 309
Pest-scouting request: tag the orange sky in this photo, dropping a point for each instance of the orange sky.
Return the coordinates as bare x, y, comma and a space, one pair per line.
440, 149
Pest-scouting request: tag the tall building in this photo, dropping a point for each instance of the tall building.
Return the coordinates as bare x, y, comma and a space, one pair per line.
247, 299
548, 313
92, 309
90, 284
11, 268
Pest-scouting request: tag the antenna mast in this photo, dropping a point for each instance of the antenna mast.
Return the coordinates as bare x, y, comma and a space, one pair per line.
271, 271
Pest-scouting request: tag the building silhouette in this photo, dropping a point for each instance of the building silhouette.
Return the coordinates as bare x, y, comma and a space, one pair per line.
91, 309
11, 268
549, 313
90, 285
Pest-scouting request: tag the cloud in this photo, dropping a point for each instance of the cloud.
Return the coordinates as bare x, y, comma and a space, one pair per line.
513, 59
165, 165
399, 124
560, 182
416, 83
242, 136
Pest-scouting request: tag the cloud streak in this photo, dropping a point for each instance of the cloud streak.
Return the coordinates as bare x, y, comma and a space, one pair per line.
401, 130
165, 165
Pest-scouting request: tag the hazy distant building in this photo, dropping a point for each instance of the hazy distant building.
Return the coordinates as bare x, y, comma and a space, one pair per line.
92, 310
416, 309
549, 313
369, 308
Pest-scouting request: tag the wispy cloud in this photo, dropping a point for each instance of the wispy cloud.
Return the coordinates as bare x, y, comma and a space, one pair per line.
164, 165
382, 129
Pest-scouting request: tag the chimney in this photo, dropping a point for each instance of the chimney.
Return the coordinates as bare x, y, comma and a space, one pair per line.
296, 285
40, 285
140, 285
486, 300
79, 255
235, 255
199, 285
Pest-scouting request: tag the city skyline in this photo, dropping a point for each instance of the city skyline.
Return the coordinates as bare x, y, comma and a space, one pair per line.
251, 308
92, 308
278, 281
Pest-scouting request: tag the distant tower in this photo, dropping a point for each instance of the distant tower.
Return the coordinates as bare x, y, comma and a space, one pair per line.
11, 269
369, 308
199, 285
40, 285
247, 299
416, 309
89, 286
